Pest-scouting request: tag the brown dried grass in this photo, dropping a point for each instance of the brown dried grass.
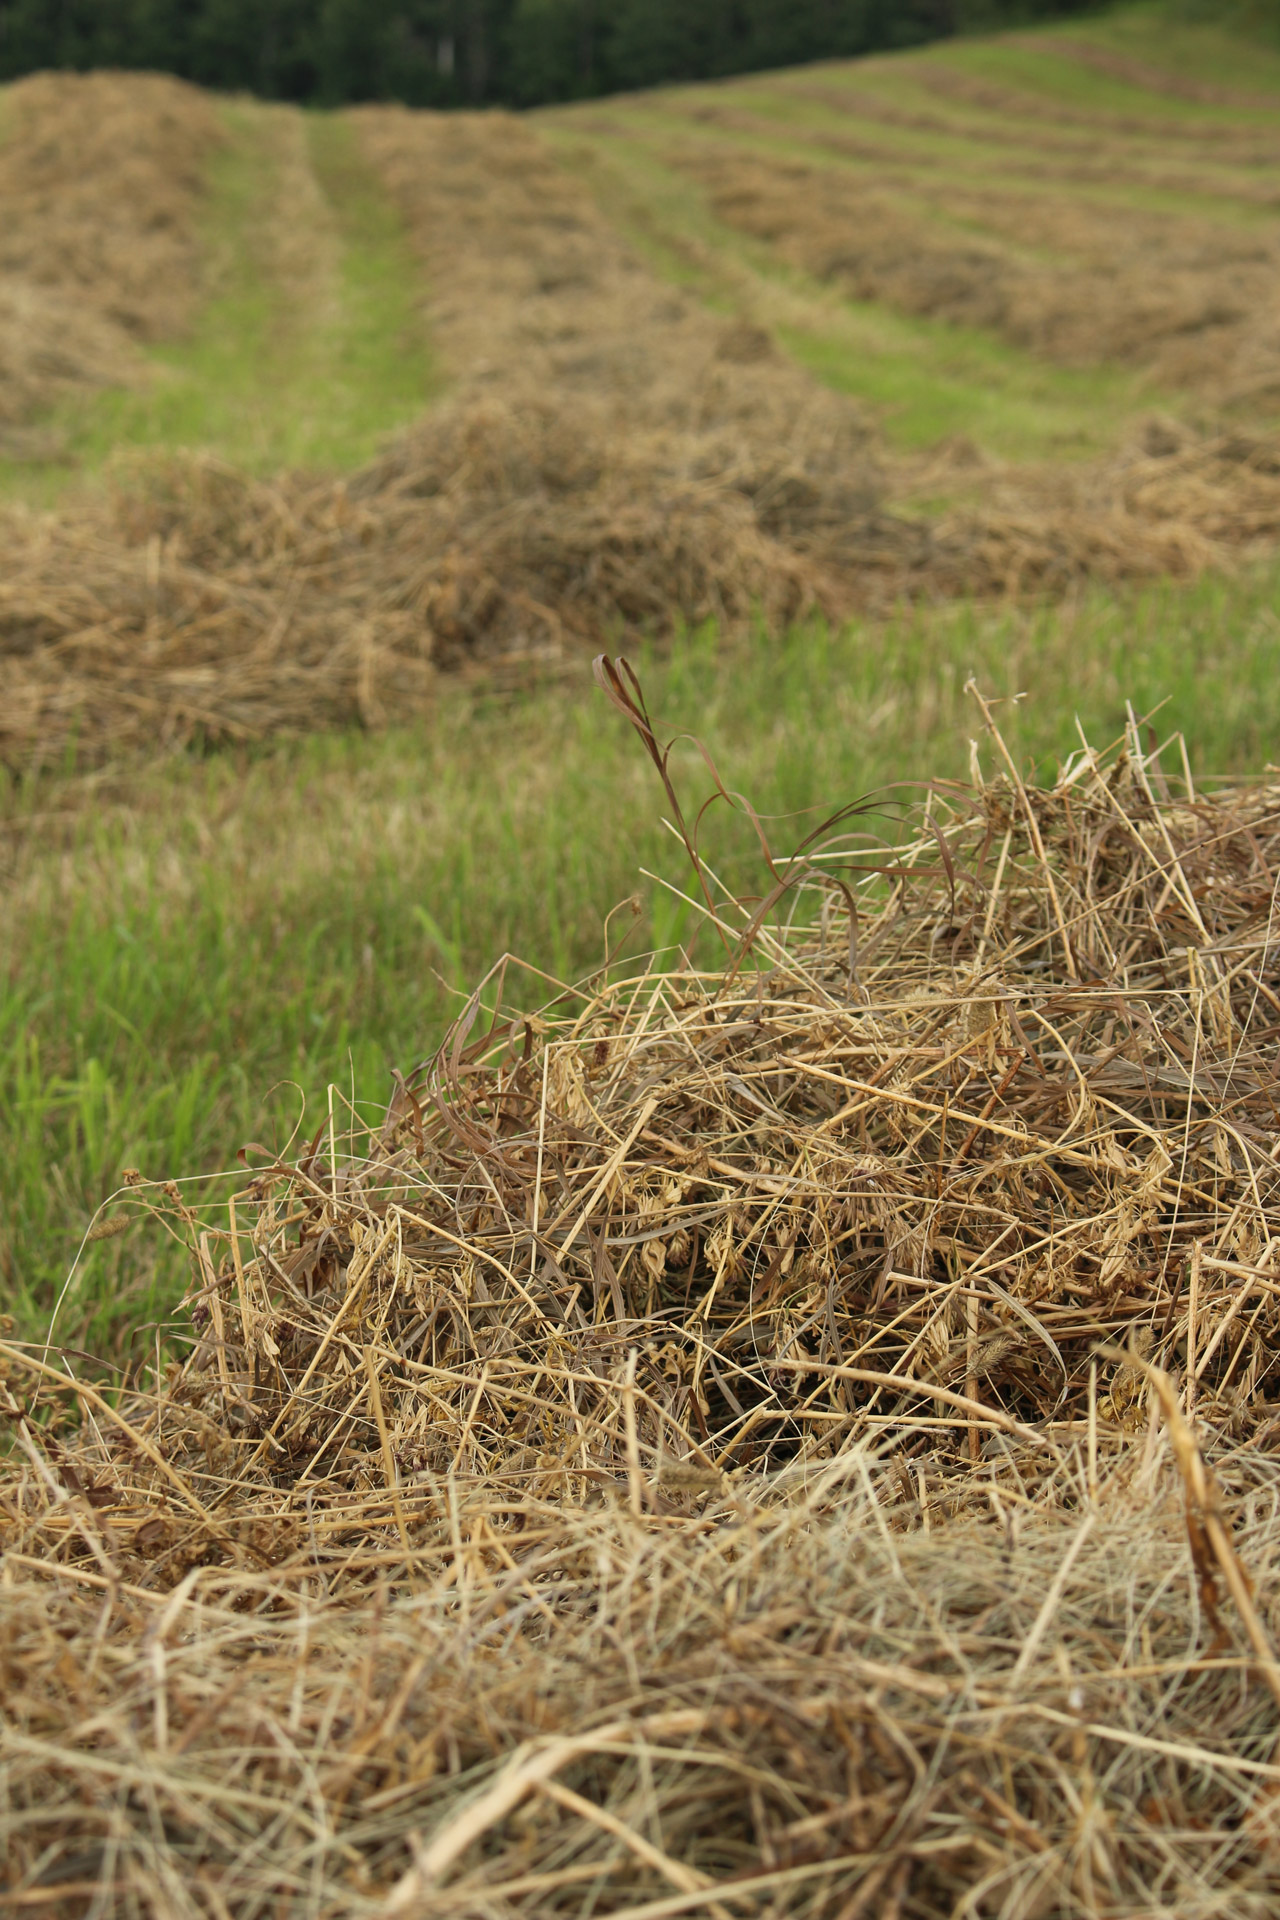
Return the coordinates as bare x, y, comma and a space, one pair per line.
200, 604
612, 454
1189, 300
739, 1439
101, 178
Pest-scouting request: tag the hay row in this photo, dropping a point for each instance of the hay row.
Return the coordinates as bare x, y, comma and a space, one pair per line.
758, 1438
590, 471
1060, 160
1188, 300
956, 106
1158, 80
199, 603
101, 179
1230, 136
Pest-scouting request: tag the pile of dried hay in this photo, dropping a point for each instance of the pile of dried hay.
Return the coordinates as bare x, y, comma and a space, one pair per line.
101, 178
1170, 502
199, 603
784, 1438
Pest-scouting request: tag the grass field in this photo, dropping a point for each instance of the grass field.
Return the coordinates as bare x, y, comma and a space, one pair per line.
794, 1435
309, 349
192, 948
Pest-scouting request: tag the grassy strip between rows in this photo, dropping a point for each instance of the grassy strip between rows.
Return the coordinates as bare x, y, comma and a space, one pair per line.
294, 361
193, 951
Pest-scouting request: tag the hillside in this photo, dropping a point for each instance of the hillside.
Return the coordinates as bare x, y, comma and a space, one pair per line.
994, 318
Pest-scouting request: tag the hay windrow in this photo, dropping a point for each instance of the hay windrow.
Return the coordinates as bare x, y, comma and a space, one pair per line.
198, 603
101, 178
1189, 300
611, 454
759, 1436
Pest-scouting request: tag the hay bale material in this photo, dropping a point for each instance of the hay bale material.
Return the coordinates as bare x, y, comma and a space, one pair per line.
788, 1438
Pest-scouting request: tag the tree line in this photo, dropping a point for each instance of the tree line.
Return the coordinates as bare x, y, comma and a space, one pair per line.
449, 53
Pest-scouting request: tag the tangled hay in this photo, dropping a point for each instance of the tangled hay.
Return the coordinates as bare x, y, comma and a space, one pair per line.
783, 1438
1171, 503
101, 178
198, 603
202, 603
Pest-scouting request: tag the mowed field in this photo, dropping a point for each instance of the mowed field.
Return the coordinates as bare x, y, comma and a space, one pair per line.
708, 1381
821, 391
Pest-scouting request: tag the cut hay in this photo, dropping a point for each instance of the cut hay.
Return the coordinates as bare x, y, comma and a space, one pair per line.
787, 1437
200, 604
1190, 302
101, 179
611, 456
49, 347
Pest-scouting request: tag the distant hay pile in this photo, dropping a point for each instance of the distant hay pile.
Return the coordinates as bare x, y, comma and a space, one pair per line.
791, 1437
612, 456
200, 604
1085, 233
101, 178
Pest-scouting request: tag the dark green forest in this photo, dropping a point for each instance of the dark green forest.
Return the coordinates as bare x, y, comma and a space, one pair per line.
445, 53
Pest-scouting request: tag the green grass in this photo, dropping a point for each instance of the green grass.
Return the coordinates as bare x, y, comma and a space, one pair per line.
1049, 74
192, 952
371, 371
265, 379
926, 381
